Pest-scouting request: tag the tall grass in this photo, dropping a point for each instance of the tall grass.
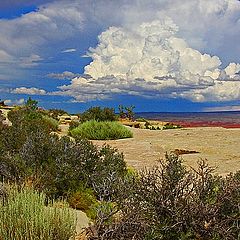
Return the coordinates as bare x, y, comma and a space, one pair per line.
24, 215
106, 130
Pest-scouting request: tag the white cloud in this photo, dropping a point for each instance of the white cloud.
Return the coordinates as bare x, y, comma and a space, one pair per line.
20, 101
152, 61
14, 102
8, 101
63, 75
70, 50
30, 61
23, 39
151, 49
29, 91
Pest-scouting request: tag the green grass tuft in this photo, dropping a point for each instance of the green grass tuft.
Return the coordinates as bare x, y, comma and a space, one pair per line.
24, 215
94, 130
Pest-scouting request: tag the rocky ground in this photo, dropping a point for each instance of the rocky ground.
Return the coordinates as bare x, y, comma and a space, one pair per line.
218, 145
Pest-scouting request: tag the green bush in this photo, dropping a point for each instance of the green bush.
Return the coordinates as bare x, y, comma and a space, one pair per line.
171, 126
82, 199
24, 215
98, 114
60, 166
103, 208
73, 124
101, 131
25, 121
50, 122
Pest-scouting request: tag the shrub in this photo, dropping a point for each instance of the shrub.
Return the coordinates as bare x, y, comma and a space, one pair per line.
2, 118
51, 123
60, 166
73, 124
141, 120
25, 120
55, 113
98, 114
126, 112
82, 199
171, 126
101, 130
31, 104
169, 202
24, 215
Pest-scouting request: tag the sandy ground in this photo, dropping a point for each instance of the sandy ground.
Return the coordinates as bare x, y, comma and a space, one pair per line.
220, 146
82, 221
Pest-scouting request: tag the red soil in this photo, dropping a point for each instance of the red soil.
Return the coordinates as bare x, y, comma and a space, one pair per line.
207, 124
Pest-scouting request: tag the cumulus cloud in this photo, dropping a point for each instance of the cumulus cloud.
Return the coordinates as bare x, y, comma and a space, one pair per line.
151, 60
156, 49
64, 75
29, 91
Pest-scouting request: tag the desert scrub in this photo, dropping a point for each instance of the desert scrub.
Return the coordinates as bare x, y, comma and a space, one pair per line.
171, 126
95, 130
50, 122
82, 199
171, 202
98, 114
24, 215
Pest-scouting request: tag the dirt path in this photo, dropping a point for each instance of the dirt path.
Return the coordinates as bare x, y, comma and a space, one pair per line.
220, 146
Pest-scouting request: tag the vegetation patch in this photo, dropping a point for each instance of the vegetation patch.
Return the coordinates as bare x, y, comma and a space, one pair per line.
95, 130
169, 202
171, 126
98, 114
50, 122
24, 215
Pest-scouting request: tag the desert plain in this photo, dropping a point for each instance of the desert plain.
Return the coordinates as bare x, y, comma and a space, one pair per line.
219, 146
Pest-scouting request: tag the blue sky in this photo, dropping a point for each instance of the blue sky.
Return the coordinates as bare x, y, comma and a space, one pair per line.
160, 56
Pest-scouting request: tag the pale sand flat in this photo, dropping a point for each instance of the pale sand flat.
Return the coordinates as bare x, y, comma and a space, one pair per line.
219, 145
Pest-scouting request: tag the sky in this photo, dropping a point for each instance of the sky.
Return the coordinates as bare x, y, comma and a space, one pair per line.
158, 55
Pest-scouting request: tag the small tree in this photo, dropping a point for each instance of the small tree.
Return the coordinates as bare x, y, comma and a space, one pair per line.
122, 114
130, 113
98, 114
126, 112
32, 104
